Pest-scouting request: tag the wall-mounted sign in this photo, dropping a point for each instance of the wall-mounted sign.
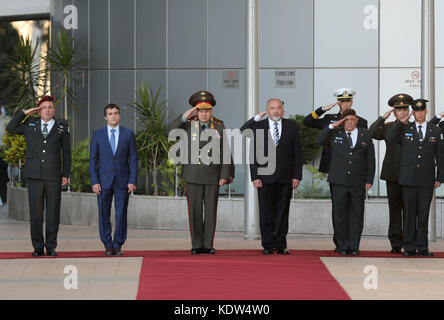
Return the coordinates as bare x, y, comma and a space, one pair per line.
284, 78
412, 80
230, 79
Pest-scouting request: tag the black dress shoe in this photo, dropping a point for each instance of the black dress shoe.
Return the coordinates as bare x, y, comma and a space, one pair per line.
355, 253
267, 251
343, 252
283, 251
408, 253
117, 252
209, 251
336, 250
38, 253
51, 252
196, 251
426, 253
395, 250
109, 252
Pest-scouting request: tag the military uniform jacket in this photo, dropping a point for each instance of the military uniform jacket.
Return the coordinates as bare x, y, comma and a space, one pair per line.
349, 166
202, 173
418, 159
312, 121
392, 159
288, 152
47, 159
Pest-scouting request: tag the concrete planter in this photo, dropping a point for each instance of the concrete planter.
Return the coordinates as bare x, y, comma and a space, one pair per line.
310, 216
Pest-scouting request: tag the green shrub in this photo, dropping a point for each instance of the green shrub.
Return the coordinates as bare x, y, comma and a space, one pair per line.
80, 179
310, 148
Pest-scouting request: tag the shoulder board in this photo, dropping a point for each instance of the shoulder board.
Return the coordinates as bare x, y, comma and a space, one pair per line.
218, 121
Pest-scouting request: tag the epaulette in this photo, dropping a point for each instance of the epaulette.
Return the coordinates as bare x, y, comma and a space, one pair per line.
218, 121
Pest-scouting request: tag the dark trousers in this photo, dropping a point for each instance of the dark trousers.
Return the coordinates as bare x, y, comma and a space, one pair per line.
202, 226
3, 180
348, 215
41, 194
274, 206
394, 193
104, 201
333, 221
416, 217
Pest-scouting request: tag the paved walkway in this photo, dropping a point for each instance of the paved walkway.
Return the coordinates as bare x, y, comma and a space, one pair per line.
118, 278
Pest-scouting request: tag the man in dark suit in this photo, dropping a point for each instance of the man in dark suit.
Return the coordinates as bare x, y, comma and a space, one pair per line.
203, 176
351, 173
280, 137
390, 168
113, 171
421, 145
47, 167
344, 99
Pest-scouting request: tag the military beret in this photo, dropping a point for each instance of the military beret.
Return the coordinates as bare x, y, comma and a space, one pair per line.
344, 94
400, 100
419, 104
45, 98
202, 99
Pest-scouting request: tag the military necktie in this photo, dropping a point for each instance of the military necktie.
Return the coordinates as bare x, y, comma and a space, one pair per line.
350, 139
112, 141
45, 130
421, 136
276, 134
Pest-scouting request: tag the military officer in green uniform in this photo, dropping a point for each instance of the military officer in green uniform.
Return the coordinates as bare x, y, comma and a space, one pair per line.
203, 176
421, 153
351, 173
47, 167
390, 169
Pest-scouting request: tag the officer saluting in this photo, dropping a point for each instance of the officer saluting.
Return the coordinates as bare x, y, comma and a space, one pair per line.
351, 173
390, 168
344, 101
421, 144
344, 98
48, 162
203, 178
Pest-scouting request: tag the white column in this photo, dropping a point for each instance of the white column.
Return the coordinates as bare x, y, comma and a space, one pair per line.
251, 227
428, 82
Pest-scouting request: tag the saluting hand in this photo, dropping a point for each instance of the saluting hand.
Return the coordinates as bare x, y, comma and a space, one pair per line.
330, 106
387, 114
190, 113
339, 122
222, 182
32, 110
64, 181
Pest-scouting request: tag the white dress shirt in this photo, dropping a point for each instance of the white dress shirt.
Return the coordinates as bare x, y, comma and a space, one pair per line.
116, 134
353, 136
423, 128
50, 125
279, 125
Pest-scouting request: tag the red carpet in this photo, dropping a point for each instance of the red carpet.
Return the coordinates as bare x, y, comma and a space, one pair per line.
231, 274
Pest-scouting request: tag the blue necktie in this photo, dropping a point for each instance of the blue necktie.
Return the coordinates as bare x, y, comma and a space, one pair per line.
112, 141
276, 134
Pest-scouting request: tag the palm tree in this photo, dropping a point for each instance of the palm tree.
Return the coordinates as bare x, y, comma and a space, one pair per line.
63, 57
152, 144
24, 74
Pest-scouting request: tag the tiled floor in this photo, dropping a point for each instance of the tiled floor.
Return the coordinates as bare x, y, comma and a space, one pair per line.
117, 278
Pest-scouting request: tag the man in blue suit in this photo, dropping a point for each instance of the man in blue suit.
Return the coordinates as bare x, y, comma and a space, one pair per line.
113, 170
